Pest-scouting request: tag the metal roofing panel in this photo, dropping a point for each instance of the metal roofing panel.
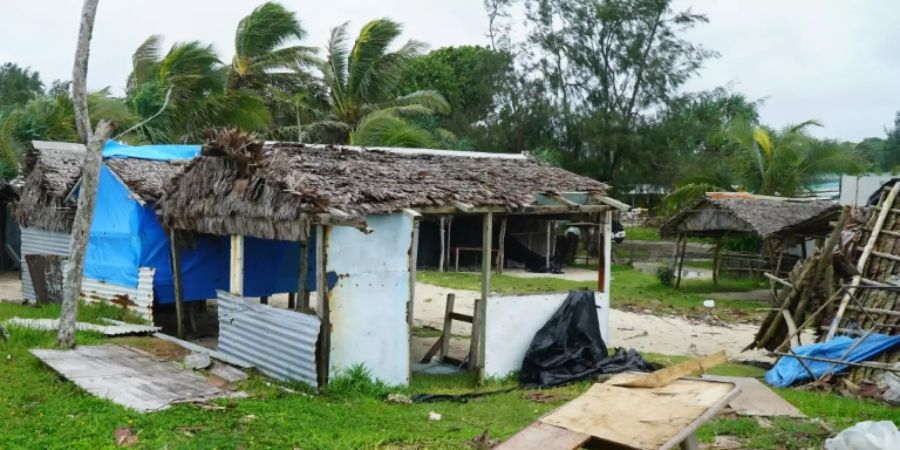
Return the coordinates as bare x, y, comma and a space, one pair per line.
40, 242
279, 342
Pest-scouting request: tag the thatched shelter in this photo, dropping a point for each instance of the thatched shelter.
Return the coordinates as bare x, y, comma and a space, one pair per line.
778, 221
720, 213
360, 210
296, 184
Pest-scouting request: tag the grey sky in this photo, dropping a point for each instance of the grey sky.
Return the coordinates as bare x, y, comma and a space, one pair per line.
831, 60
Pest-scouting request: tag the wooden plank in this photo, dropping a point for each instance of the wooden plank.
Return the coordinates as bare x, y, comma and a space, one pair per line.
323, 345
542, 436
443, 222
665, 376
792, 327
756, 399
501, 247
461, 317
448, 325
650, 418
478, 325
302, 291
886, 256
236, 268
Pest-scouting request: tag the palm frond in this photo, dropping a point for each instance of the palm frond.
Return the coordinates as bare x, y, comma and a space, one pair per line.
335, 68
145, 61
268, 27
430, 99
384, 129
370, 47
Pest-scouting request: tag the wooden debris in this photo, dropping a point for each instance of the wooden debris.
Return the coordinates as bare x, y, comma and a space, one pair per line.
125, 437
756, 399
667, 375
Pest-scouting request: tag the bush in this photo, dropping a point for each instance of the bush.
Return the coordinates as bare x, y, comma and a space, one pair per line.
665, 275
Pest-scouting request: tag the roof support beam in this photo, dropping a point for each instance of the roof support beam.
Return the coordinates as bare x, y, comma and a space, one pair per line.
610, 201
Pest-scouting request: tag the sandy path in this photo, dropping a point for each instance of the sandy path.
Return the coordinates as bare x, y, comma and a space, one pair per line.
668, 335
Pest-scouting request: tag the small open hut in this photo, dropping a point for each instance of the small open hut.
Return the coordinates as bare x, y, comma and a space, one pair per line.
360, 210
780, 221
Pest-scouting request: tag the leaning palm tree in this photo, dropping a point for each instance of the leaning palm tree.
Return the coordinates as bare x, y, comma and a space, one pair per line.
363, 108
189, 85
263, 60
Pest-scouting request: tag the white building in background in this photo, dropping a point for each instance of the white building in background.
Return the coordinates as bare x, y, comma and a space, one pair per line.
856, 189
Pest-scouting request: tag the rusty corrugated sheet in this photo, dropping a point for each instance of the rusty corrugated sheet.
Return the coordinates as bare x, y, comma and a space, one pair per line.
279, 342
138, 299
40, 242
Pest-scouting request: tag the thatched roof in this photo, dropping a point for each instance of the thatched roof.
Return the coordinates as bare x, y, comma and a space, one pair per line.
719, 213
52, 170
272, 195
50, 173
146, 178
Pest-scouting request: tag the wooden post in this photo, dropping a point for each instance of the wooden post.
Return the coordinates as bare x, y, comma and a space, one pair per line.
292, 301
302, 291
323, 346
443, 249
449, 241
501, 249
681, 261
549, 236
715, 267
176, 277
236, 283
448, 326
411, 303
675, 250
604, 252
478, 324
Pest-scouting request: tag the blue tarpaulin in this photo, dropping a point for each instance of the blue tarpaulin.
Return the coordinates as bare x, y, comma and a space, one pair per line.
126, 235
114, 149
788, 370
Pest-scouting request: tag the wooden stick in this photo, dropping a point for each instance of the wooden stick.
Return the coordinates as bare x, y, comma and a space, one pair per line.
500, 245
665, 376
448, 325
778, 280
681, 262
442, 221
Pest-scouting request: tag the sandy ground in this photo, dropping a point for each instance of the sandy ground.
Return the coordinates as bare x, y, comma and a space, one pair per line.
644, 332
10, 287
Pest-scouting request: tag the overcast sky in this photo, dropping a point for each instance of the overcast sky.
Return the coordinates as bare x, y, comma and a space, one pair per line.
831, 60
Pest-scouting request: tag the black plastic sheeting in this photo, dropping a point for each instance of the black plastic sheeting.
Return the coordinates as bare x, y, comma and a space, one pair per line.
569, 347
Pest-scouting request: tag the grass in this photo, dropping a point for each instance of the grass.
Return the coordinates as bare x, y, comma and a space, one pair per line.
38, 409
642, 234
630, 288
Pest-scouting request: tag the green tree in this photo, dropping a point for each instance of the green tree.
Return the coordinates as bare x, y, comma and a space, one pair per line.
469, 77
18, 85
362, 81
191, 82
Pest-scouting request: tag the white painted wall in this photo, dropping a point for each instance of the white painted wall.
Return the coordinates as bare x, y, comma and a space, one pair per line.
513, 320
369, 301
855, 190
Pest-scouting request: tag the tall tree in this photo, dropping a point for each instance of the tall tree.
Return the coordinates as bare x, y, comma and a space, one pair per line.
607, 64
90, 174
362, 84
18, 85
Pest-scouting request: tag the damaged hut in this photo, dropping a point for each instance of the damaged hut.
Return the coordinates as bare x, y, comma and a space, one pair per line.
787, 226
360, 210
128, 260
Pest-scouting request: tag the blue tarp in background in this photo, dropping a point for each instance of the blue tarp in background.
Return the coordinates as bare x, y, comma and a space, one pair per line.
789, 371
126, 236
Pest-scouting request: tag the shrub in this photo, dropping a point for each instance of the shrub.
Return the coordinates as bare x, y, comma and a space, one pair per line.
665, 275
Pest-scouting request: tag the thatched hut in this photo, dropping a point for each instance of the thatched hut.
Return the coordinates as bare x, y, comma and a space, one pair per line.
360, 209
128, 258
779, 220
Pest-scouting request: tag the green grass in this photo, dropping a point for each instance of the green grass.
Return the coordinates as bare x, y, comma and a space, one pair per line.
642, 234
629, 287
38, 409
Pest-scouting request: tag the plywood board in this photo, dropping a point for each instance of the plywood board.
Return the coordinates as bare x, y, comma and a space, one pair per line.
129, 377
541, 436
644, 418
756, 399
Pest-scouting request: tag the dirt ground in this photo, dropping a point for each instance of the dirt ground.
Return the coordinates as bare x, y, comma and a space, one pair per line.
643, 332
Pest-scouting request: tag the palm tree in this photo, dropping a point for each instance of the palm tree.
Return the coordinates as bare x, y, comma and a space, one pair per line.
190, 83
363, 108
786, 163
262, 60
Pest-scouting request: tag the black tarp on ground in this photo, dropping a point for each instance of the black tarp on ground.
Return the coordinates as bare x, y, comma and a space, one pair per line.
569, 347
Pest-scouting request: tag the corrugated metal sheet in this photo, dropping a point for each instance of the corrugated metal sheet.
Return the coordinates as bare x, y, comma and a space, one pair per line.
139, 299
279, 342
40, 242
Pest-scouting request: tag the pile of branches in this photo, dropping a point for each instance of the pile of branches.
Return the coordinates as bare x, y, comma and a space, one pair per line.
245, 149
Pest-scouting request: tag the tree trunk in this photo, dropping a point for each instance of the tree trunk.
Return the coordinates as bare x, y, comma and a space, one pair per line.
90, 173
